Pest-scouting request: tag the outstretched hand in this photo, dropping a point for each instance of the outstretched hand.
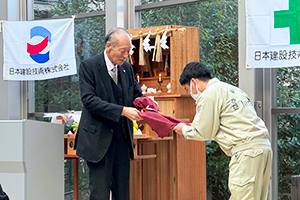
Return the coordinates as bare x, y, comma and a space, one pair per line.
131, 113
178, 128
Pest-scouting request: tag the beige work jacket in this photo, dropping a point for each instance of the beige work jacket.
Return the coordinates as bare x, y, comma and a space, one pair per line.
224, 114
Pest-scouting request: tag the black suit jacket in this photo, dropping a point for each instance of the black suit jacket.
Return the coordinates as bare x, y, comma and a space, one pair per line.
3, 195
101, 113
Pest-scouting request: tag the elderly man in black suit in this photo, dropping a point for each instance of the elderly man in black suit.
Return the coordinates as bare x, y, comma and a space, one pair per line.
105, 133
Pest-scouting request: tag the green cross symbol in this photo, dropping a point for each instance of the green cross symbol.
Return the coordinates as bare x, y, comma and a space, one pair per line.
289, 18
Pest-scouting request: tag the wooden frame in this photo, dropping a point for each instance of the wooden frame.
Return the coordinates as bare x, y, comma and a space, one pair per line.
179, 167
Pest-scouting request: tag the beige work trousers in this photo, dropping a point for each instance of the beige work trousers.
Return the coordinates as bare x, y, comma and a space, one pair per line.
249, 174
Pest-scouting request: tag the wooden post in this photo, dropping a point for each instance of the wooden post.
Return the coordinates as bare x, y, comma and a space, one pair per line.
157, 172
75, 163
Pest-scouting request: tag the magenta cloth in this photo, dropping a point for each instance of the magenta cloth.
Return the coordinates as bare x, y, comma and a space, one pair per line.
161, 124
142, 102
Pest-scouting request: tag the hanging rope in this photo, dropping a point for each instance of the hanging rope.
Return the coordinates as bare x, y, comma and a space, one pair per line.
157, 53
140, 35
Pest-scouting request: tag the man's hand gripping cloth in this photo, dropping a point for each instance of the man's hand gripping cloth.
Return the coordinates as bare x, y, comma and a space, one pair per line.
161, 124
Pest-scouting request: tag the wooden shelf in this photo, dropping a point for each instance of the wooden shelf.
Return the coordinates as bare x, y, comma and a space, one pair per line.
163, 78
145, 157
66, 156
139, 136
160, 139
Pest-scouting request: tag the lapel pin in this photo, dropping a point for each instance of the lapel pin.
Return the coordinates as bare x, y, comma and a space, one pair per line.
124, 71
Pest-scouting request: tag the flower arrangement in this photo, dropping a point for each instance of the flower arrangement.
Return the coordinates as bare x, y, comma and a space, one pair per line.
74, 126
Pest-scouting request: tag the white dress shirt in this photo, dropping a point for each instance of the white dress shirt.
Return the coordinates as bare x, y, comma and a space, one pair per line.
110, 66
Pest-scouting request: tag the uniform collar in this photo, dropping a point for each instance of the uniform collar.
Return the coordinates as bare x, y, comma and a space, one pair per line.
212, 81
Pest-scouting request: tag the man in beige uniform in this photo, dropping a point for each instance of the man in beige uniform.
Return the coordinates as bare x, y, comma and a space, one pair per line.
224, 114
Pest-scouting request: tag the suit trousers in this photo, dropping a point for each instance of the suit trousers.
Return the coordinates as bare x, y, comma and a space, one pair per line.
111, 172
249, 174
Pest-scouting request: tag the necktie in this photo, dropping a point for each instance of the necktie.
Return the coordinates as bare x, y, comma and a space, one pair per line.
114, 75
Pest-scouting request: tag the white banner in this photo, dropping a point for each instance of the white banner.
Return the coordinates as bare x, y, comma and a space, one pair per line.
37, 50
272, 33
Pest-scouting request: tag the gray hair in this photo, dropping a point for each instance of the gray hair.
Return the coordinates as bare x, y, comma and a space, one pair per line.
110, 37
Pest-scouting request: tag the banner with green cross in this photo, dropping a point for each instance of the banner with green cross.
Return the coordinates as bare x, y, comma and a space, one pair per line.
272, 33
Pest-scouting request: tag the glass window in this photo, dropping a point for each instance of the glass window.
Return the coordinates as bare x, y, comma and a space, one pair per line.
62, 94
288, 154
288, 88
56, 8
288, 131
152, 1
218, 33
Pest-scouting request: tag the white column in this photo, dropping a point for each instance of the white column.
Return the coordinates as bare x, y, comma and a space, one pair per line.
271, 122
130, 14
138, 16
246, 76
30, 96
116, 14
10, 100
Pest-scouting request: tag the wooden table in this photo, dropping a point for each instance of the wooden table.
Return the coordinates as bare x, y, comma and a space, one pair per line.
70, 153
